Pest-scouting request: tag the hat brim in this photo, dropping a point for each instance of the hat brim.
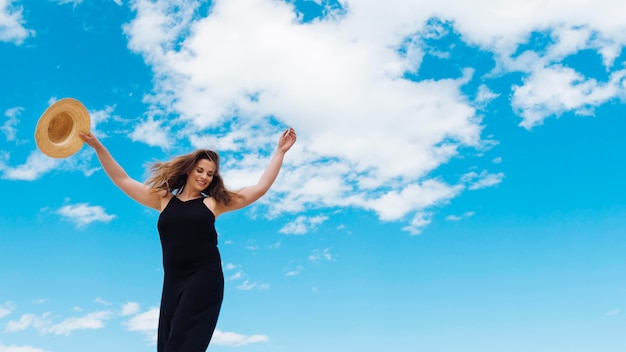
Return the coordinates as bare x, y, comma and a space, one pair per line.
57, 130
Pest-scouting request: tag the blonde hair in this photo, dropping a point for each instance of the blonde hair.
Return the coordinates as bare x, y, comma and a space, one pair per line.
171, 176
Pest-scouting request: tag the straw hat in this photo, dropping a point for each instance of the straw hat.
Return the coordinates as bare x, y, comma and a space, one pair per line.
57, 130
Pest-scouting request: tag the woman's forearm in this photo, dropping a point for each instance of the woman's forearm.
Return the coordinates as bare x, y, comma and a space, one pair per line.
271, 171
115, 172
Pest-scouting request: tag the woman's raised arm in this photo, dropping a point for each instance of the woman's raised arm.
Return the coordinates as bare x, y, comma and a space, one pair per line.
250, 194
134, 189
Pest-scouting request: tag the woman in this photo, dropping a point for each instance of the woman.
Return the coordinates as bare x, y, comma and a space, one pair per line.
189, 193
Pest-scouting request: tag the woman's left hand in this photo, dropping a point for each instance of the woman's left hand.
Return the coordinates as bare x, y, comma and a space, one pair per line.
287, 139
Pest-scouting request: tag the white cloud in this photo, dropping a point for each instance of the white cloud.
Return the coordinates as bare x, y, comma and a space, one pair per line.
151, 132
224, 338
26, 321
93, 320
36, 165
419, 222
130, 308
99, 300
230, 266
45, 325
6, 309
482, 180
8, 128
146, 323
236, 276
558, 89
63, 2
14, 348
396, 204
247, 285
295, 272
83, 214
367, 137
302, 224
484, 96
460, 217
11, 23
319, 255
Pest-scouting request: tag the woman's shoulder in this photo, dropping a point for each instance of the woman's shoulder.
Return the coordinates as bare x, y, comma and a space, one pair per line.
214, 206
164, 198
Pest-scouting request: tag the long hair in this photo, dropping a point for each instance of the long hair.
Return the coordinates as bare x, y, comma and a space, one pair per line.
172, 175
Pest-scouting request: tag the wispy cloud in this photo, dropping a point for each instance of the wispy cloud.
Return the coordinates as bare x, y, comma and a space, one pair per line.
236, 340
419, 222
321, 255
303, 224
483, 180
93, 320
101, 301
465, 215
45, 325
6, 309
248, 285
295, 271
9, 127
14, 348
83, 214
63, 2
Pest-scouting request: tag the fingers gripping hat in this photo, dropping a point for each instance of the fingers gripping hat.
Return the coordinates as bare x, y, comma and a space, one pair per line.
56, 134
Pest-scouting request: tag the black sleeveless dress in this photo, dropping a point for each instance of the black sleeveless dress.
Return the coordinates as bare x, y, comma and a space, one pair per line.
193, 285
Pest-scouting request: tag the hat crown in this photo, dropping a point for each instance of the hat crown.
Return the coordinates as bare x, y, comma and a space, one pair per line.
60, 128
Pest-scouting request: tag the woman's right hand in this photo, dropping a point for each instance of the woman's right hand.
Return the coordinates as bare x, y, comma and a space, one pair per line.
90, 139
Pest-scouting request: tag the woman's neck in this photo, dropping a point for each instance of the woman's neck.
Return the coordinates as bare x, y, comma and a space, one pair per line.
188, 195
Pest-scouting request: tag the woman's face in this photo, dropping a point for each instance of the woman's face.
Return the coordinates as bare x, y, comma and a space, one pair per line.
200, 177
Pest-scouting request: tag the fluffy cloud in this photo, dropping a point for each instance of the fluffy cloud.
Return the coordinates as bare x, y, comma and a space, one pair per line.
130, 308
369, 137
145, 323
362, 127
83, 214
557, 89
11, 23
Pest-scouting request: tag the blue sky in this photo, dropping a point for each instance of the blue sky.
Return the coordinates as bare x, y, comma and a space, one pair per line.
457, 185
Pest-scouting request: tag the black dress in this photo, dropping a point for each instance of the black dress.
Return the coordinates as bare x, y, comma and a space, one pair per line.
193, 285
